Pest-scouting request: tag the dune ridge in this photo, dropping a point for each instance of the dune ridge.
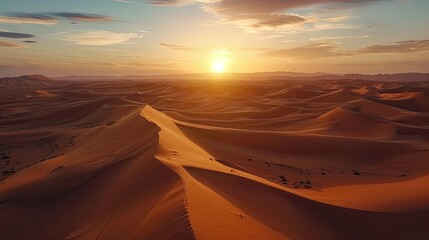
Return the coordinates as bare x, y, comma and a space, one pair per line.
213, 160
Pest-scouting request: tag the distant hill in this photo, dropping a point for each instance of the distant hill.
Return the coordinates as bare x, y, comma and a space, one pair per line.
399, 77
27, 80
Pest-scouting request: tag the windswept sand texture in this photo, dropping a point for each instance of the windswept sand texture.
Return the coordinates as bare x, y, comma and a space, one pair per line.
338, 159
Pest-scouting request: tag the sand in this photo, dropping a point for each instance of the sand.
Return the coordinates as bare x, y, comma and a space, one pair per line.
337, 159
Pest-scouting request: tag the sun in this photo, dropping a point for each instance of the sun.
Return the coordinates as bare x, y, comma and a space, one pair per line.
219, 65
220, 60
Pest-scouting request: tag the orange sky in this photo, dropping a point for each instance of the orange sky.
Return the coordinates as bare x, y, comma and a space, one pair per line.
121, 37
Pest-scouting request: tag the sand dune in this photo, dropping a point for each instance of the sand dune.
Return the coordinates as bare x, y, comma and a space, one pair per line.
213, 160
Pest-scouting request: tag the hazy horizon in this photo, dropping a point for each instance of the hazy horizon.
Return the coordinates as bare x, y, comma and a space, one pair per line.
224, 75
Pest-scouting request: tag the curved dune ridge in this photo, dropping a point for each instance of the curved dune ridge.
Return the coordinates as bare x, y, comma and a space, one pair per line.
214, 160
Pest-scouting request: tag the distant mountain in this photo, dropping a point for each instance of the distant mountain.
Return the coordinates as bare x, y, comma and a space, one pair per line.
391, 77
27, 80
399, 77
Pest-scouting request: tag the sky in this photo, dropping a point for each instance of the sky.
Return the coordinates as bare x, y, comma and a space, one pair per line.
125, 37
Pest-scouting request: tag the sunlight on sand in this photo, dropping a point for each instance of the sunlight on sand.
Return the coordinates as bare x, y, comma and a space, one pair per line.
267, 160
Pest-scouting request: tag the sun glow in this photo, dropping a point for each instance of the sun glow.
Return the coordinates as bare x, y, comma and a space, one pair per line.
219, 65
220, 60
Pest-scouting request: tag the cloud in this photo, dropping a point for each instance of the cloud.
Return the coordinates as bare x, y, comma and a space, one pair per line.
277, 20
337, 38
221, 51
28, 18
153, 65
326, 50
30, 41
171, 2
399, 47
271, 14
266, 14
82, 16
307, 52
178, 47
97, 37
51, 18
257, 6
9, 44
124, 1
232, 7
265, 20
15, 35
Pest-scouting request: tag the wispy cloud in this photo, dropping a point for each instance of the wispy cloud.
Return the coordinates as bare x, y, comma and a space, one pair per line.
25, 18
265, 21
178, 47
9, 44
222, 51
232, 7
124, 1
329, 49
153, 65
310, 51
51, 18
318, 50
171, 2
268, 14
6, 34
97, 37
88, 17
399, 47
327, 38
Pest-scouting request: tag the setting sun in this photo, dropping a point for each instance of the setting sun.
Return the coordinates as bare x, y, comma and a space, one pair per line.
220, 60
219, 65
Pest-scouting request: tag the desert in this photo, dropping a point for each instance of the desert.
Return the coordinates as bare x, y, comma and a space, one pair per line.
315, 159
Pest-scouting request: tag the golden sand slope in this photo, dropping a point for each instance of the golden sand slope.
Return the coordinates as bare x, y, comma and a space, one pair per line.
221, 160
